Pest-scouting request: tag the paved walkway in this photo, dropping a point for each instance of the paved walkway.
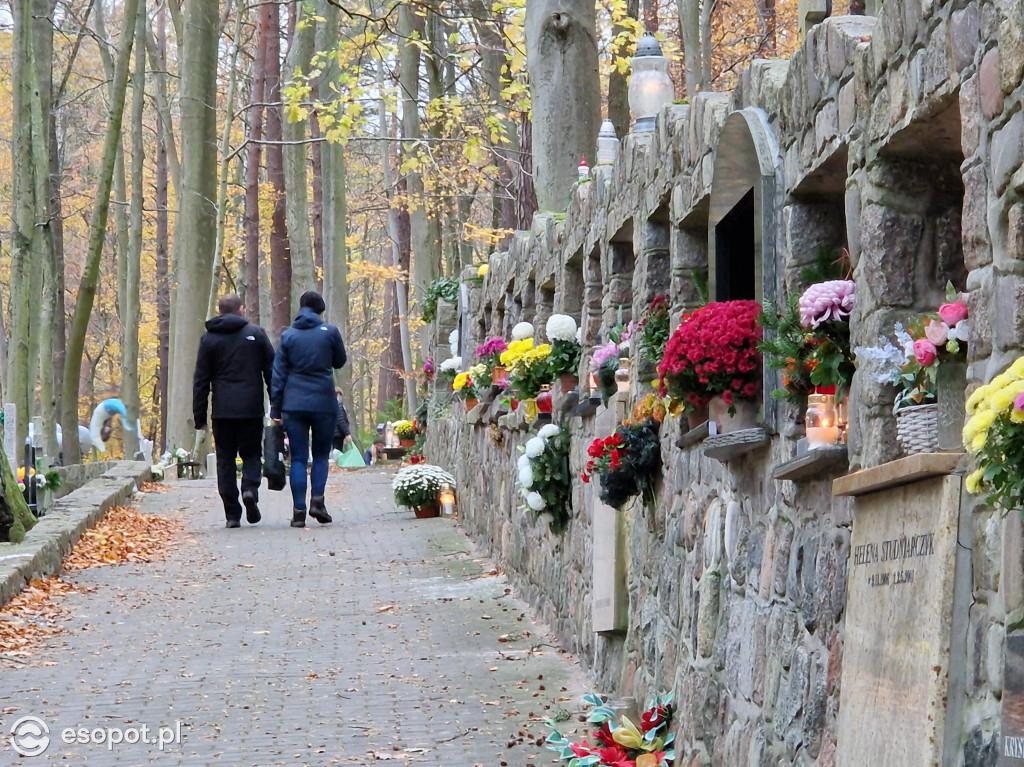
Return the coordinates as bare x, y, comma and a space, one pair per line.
380, 638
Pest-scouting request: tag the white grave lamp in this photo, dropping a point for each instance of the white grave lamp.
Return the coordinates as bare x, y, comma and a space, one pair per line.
607, 144
650, 87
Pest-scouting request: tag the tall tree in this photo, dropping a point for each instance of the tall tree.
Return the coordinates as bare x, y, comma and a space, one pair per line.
280, 255
297, 66
618, 81
561, 54
252, 171
196, 225
163, 294
97, 233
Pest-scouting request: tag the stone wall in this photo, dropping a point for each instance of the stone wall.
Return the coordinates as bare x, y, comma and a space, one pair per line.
900, 137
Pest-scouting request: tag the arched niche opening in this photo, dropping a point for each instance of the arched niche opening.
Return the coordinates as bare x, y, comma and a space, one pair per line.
741, 220
593, 295
618, 298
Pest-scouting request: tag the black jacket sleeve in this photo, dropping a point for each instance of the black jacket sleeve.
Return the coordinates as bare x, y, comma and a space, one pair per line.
201, 384
342, 429
278, 379
268, 360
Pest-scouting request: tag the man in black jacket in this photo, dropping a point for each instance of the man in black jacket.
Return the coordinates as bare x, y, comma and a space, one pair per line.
236, 360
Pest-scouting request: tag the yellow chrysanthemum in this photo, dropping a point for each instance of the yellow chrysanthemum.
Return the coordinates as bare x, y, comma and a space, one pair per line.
997, 383
1017, 368
460, 381
978, 443
1002, 400
976, 398
477, 370
973, 481
1016, 416
484, 268
978, 424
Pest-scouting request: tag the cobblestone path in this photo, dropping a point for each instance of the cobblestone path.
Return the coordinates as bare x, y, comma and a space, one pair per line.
378, 639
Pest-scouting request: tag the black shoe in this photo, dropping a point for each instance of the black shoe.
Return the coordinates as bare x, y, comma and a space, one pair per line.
298, 518
252, 511
234, 523
318, 511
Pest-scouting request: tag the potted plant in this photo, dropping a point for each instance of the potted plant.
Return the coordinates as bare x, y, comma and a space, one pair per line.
603, 363
489, 353
564, 359
618, 741
915, 364
405, 431
468, 384
417, 488
712, 360
994, 435
654, 330
627, 462
544, 476
528, 372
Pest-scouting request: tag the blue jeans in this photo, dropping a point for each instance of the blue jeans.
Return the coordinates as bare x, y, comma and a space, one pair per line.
298, 424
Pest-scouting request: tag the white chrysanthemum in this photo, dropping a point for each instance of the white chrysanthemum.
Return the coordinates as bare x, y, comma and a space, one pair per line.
452, 363
534, 447
453, 338
522, 331
524, 460
579, 335
536, 501
547, 518
526, 476
560, 327
40, 481
548, 431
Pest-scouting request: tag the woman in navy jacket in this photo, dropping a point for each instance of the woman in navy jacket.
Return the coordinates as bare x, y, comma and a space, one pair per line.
302, 395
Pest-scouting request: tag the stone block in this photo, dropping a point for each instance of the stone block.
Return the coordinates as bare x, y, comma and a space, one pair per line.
1008, 322
1007, 151
708, 612
989, 84
963, 37
889, 239
1011, 47
970, 116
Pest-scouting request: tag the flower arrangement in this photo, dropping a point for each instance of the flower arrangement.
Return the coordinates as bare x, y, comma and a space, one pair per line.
618, 742
627, 462
449, 369
441, 289
529, 370
404, 429
544, 475
926, 342
604, 362
809, 341
489, 352
417, 486
714, 352
428, 368
561, 331
521, 331
469, 383
654, 329
994, 434
181, 454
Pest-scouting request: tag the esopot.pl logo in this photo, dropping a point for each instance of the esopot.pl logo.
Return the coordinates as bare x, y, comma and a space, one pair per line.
30, 736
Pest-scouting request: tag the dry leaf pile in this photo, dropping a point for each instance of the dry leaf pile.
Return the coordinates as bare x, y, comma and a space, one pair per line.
32, 615
153, 487
123, 535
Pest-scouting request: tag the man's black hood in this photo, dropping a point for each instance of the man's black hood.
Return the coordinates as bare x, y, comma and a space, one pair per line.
226, 323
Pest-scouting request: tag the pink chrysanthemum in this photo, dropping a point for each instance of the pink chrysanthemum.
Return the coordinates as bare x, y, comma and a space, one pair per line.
827, 301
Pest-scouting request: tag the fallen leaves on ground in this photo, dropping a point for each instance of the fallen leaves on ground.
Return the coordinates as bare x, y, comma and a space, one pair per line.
153, 487
123, 535
32, 615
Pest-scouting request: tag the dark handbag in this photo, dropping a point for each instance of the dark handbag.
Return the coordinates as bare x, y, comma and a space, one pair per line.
273, 456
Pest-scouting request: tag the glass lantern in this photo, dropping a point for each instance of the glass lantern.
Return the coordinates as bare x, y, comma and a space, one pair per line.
650, 87
820, 421
446, 499
622, 375
607, 144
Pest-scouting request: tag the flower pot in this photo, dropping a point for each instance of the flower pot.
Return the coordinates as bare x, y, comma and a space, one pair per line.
471, 402
426, 512
917, 428
568, 382
499, 376
695, 418
406, 442
745, 416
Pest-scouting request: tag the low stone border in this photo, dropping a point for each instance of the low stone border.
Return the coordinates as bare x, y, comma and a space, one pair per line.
46, 544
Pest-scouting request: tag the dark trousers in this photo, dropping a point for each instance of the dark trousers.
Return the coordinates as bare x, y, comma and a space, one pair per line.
242, 437
308, 433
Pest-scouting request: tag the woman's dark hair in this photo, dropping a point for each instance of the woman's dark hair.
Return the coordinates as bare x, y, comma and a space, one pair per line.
313, 300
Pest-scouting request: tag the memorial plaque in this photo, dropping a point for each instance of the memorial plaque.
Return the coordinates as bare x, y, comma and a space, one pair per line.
610, 606
900, 608
1011, 751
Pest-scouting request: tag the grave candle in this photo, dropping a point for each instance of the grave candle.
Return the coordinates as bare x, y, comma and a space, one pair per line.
820, 421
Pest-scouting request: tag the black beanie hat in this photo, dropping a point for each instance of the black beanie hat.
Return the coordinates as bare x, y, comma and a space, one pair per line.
314, 301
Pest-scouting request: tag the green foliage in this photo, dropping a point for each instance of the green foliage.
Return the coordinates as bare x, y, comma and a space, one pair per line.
654, 330
53, 480
441, 289
564, 357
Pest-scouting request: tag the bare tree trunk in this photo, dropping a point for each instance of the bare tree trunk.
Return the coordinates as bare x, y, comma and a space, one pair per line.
252, 173
618, 82
196, 225
689, 24
651, 16
280, 256
526, 192
225, 152
317, 217
130, 308
97, 231
295, 178
707, 9
766, 15
163, 296
561, 54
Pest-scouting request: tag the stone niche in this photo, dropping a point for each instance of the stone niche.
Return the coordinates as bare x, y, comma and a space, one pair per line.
907, 602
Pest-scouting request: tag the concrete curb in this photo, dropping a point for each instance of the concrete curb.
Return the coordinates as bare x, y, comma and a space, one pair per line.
45, 545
